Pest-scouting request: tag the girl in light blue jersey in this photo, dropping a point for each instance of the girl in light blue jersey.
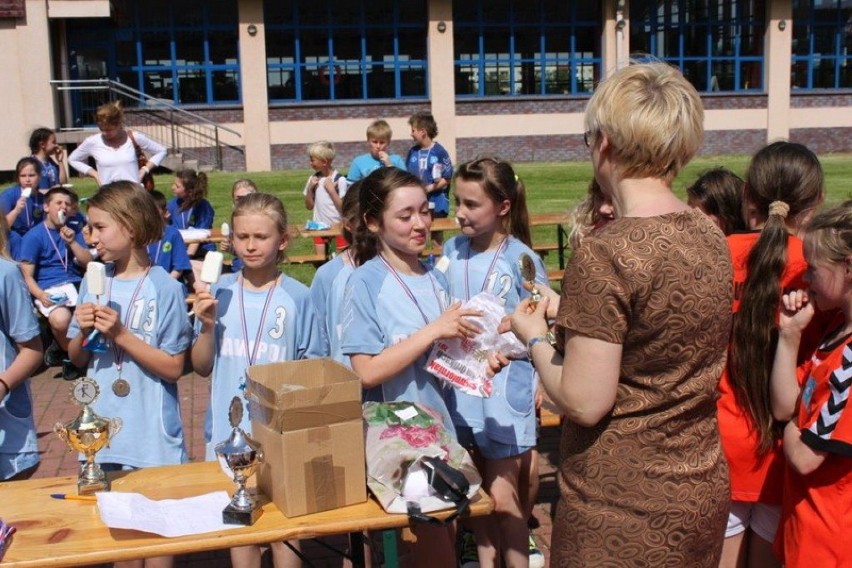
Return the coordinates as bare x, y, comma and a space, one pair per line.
142, 315
500, 430
395, 308
329, 284
257, 315
20, 356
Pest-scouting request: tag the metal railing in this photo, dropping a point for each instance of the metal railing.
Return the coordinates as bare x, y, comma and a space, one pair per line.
183, 132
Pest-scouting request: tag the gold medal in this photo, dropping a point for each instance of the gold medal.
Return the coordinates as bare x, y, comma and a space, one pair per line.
121, 387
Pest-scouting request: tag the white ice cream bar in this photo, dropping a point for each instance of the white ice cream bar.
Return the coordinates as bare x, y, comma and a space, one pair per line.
62, 219
26, 191
226, 230
211, 270
96, 278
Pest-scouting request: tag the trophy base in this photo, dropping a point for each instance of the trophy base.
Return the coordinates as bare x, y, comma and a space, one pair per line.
87, 487
233, 516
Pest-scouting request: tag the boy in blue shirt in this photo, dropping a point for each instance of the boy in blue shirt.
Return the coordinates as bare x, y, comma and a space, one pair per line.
431, 163
379, 135
170, 251
52, 257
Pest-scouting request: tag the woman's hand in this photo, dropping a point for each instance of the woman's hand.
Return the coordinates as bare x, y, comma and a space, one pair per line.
205, 310
795, 312
527, 323
454, 323
546, 292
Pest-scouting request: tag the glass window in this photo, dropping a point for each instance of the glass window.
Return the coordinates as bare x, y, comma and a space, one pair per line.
717, 44
515, 47
182, 51
345, 50
822, 44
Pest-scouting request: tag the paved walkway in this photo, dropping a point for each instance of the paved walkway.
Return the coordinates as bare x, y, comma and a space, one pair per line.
53, 404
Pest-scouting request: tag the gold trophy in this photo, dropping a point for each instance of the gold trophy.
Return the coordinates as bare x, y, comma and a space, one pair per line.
239, 457
87, 434
527, 267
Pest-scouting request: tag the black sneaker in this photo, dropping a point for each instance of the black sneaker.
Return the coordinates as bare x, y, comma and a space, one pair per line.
70, 372
54, 355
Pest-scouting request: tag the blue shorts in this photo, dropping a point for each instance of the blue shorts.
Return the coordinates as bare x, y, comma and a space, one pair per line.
475, 438
13, 464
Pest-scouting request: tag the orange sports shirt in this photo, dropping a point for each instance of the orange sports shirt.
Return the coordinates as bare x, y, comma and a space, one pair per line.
816, 522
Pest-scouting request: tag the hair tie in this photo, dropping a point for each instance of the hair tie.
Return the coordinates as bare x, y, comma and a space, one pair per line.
516, 178
779, 208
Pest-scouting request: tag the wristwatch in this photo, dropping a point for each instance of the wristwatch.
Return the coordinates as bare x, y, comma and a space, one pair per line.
549, 337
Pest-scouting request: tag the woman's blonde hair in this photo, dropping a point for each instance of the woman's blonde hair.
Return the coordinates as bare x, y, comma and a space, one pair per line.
651, 116
133, 208
263, 204
110, 114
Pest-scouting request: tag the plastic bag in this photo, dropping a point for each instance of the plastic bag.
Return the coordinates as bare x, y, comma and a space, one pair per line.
403, 440
463, 362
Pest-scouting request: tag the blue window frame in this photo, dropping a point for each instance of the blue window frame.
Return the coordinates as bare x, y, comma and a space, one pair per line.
517, 47
179, 50
822, 44
717, 44
346, 50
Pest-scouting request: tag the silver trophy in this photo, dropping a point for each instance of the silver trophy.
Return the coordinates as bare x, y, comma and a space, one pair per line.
239, 457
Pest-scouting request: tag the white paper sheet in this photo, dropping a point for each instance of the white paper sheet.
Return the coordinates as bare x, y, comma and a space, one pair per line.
169, 517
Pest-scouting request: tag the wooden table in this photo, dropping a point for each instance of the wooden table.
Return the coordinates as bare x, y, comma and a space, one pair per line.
53, 532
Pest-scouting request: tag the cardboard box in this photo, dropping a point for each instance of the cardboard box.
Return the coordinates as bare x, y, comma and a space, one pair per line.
307, 417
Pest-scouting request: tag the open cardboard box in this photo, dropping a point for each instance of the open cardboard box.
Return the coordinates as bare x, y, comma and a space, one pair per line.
307, 416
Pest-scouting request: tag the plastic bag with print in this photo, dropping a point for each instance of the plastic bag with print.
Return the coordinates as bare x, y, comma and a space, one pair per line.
400, 437
463, 362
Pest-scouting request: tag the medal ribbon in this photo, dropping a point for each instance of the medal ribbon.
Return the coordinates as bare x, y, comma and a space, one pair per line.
497, 254
408, 291
117, 351
253, 356
62, 260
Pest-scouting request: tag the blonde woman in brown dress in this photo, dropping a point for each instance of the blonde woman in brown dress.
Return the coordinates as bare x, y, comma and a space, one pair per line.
644, 319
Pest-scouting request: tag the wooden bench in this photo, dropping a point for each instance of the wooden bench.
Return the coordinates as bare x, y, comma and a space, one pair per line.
315, 259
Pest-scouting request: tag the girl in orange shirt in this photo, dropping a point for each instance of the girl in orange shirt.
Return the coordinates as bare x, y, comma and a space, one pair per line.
817, 508
784, 183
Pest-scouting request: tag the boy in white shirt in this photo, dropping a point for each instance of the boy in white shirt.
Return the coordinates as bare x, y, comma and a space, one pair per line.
324, 191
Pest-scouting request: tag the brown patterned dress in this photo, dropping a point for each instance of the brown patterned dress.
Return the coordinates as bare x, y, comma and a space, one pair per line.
648, 485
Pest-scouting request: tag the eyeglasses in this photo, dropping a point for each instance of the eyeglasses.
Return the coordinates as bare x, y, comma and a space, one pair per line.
586, 135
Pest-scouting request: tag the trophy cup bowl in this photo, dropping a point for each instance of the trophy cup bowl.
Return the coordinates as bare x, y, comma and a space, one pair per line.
87, 434
239, 456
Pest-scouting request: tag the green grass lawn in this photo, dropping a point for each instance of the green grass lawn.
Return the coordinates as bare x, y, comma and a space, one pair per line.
551, 187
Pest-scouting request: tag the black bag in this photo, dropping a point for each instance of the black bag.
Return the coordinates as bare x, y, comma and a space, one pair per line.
449, 483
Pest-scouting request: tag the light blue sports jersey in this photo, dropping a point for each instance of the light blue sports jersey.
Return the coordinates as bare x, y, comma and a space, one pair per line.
290, 332
507, 415
152, 433
377, 313
365, 164
334, 314
320, 289
18, 324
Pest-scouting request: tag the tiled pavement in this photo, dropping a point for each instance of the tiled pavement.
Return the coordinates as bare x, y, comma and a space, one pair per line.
53, 404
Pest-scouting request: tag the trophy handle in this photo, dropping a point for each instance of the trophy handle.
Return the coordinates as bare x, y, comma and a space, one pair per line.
115, 425
60, 430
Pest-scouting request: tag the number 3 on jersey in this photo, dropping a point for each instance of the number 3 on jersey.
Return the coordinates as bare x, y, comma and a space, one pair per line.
277, 332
